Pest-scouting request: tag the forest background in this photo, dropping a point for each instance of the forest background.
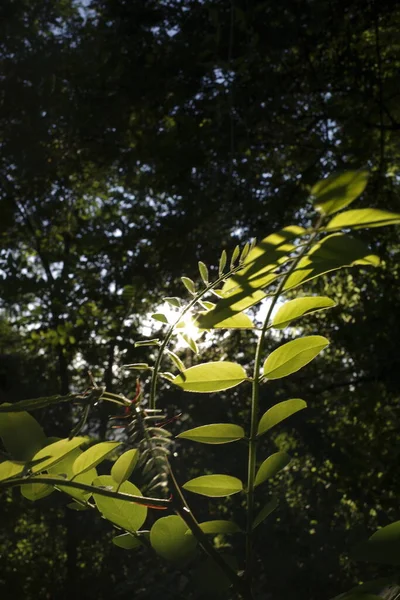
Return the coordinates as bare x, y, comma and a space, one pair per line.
138, 137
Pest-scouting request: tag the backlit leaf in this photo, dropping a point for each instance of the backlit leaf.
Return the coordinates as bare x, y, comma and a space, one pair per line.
244, 288
94, 456
271, 466
168, 539
9, 468
160, 317
362, 218
211, 377
265, 512
124, 466
21, 434
124, 514
203, 272
238, 321
338, 191
217, 433
279, 412
293, 309
54, 453
214, 486
127, 541
189, 284
222, 262
36, 491
382, 547
331, 253
219, 526
190, 342
176, 360
293, 355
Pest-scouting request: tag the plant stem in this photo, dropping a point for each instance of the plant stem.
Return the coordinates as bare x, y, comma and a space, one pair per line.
252, 455
156, 503
183, 510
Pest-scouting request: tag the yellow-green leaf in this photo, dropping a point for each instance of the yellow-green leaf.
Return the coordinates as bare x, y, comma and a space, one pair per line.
189, 284
21, 434
9, 468
123, 467
271, 466
214, 486
168, 538
331, 253
203, 272
217, 433
54, 453
278, 413
338, 191
265, 512
94, 456
238, 321
362, 218
244, 288
127, 541
293, 355
219, 526
211, 377
124, 514
294, 309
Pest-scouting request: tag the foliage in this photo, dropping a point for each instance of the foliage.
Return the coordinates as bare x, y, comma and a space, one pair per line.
277, 265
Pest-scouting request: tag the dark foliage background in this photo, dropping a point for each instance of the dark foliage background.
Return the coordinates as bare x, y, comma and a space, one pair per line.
138, 137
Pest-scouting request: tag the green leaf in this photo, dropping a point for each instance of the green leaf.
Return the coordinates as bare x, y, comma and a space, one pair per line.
94, 456
152, 342
279, 412
137, 366
243, 289
190, 342
21, 434
160, 317
271, 466
265, 512
217, 433
36, 491
123, 467
293, 355
238, 321
54, 453
338, 191
375, 585
173, 301
299, 307
362, 218
176, 360
9, 468
124, 514
382, 547
330, 254
168, 539
245, 251
127, 541
222, 263
65, 468
235, 255
214, 486
211, 377
189, 284
203, 272
219, 526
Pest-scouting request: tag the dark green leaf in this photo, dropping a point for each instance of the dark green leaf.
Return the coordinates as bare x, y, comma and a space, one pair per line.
21, 434
265, 512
